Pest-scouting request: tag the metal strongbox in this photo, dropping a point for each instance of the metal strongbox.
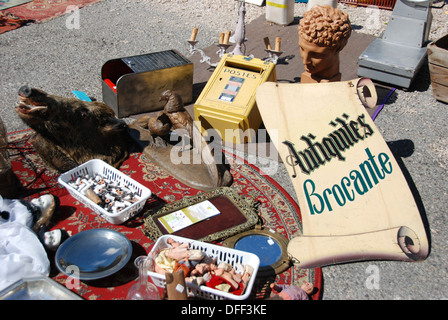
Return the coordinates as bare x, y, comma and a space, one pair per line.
132, 85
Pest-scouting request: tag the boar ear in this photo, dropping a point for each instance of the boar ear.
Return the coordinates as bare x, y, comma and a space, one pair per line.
114, 125
102, 108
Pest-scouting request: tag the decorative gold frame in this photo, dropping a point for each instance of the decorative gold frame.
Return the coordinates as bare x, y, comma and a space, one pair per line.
277, 267
245, 206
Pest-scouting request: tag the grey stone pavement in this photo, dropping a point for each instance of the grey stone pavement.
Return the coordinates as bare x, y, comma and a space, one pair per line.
58, 59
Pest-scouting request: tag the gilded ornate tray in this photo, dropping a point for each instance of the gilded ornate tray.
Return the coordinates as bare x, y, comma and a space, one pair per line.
236, 215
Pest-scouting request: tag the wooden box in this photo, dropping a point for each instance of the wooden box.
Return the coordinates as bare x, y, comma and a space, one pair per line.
438, 68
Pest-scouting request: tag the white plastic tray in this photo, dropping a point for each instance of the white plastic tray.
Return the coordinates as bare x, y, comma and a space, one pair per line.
222, 254
96, 166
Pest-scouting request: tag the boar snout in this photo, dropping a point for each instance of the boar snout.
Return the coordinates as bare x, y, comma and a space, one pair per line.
25, 91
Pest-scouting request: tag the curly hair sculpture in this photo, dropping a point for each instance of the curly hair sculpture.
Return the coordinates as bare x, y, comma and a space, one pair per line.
325, 26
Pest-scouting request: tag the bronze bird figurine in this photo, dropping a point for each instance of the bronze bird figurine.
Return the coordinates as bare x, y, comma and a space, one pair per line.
160, 125
176, 112
180, 119
174, 117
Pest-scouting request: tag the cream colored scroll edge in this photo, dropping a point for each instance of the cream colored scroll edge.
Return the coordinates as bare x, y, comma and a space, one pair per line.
397, 243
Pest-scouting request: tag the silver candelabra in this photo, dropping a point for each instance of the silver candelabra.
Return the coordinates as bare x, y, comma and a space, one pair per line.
222, 50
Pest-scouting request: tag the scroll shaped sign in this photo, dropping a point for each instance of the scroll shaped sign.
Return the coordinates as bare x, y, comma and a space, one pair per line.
355, 202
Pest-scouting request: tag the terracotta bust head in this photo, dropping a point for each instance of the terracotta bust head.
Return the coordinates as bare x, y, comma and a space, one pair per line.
323, 33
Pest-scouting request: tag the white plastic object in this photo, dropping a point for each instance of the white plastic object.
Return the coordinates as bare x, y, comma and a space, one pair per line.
222, 254
96, 166
280, 11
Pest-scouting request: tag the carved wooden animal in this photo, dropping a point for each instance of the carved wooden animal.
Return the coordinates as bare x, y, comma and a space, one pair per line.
70, 132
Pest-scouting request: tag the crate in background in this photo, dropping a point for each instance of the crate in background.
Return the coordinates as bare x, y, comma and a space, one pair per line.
382, 4
438, 68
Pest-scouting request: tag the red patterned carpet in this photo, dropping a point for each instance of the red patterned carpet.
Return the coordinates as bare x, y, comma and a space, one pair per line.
38, 11
277, 209
42, 10
8, 22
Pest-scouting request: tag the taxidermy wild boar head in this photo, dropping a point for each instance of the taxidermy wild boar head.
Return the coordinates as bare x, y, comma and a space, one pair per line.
70, 132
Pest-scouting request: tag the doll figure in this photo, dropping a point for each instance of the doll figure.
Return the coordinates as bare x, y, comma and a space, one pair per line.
182, 251
200, 274
54, 238
34, 214
201, 269
225, 278
287, 292
323, 33
179, 256
225, 270
22, 253
163, 264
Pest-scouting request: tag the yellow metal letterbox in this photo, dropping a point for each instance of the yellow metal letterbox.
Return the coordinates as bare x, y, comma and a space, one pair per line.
227, 103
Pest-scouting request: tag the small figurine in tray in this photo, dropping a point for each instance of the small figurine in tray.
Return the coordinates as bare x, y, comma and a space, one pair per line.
201, 269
